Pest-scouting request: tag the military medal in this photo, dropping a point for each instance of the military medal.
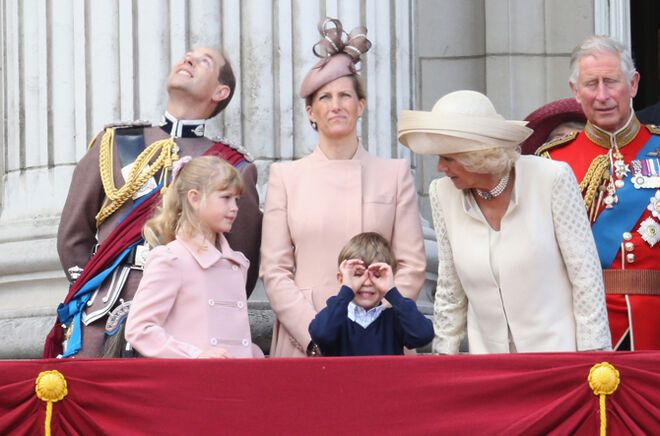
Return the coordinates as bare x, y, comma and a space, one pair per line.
611, 198
621, 169
646, 173
649, 229
637, 178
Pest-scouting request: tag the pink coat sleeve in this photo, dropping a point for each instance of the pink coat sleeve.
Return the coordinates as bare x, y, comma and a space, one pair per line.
291, 307
151, 306
407, 238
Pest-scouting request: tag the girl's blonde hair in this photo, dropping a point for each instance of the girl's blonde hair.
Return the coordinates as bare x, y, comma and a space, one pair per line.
175, 214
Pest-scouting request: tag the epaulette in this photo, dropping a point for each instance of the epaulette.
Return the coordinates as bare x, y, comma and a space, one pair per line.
119, 125
238, 148
557, 142
125, 124
655, 130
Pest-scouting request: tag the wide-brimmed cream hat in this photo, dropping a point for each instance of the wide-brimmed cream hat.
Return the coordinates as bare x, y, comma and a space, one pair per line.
460, 121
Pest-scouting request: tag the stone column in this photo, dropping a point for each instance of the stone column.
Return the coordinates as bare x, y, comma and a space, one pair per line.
515, 51
40, 142
529, 44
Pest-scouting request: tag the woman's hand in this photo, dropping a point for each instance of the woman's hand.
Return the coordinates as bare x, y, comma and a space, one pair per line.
381, 276
215, 353
353, 273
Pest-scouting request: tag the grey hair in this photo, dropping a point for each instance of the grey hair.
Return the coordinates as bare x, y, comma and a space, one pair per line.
601, 43
497, 161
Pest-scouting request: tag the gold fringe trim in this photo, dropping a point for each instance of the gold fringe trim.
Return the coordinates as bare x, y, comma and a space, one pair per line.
598, 172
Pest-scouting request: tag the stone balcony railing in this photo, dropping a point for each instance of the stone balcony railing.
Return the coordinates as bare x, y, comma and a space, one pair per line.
23, 329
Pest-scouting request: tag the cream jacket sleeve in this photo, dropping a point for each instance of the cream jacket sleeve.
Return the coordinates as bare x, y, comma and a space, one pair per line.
450, 306
580, 256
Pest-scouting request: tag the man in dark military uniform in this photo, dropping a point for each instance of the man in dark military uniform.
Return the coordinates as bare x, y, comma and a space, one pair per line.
126, 165
616, 160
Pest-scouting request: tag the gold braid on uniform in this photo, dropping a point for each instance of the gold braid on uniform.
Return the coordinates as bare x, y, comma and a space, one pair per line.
598, 172
141, 172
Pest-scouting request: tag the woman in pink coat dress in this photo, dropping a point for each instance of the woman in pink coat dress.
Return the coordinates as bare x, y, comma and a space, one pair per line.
316, 204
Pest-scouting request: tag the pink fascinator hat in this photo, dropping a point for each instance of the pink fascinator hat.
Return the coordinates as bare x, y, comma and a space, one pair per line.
340, 54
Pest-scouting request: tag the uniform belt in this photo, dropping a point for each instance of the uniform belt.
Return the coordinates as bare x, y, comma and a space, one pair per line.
130, 257
636, 282
136, 256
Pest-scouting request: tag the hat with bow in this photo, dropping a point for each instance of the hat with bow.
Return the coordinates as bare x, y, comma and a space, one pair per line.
339, 52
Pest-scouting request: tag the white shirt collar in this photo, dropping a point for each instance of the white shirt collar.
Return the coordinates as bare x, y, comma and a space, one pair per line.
362, 316
182, 128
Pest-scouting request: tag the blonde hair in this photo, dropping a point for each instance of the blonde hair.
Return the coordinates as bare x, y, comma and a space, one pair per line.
369, 247
175, 214
497, 161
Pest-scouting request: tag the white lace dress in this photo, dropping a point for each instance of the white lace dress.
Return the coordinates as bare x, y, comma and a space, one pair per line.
547, 293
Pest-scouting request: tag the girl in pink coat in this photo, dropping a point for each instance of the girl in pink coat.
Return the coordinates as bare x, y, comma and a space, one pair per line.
191, 302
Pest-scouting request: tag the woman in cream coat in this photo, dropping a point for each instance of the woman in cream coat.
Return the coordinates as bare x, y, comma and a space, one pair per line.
518, 268
316, 204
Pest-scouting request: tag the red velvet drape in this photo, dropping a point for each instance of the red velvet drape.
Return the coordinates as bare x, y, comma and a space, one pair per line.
496, 394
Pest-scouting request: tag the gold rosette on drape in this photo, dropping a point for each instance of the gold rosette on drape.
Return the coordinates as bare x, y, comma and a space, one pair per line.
604, 379
50, 387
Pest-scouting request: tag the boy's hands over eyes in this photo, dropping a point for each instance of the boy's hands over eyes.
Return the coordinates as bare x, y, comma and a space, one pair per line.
353, 273
381, 276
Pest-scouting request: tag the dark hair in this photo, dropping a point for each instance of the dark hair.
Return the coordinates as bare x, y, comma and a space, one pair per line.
225, 77
369, 247
358, 87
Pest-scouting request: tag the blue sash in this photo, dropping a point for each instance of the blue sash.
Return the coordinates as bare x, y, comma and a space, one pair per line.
612, 223
72, 311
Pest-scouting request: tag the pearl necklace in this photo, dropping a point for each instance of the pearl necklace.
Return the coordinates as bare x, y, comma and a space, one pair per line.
496, 191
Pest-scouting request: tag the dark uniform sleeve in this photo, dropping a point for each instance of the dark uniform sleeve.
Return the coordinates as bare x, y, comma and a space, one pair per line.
326, 327
417, 329
76, 235
246, 232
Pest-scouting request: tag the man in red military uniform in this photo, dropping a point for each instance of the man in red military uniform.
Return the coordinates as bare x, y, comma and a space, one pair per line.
616, 160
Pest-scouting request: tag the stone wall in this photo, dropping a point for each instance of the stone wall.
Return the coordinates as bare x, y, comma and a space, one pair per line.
515, 51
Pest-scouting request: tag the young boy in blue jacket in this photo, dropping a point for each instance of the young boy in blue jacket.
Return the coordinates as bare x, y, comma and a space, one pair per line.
355, 322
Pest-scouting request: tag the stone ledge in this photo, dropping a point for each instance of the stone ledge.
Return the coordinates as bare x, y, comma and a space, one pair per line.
22, 334
23, 337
